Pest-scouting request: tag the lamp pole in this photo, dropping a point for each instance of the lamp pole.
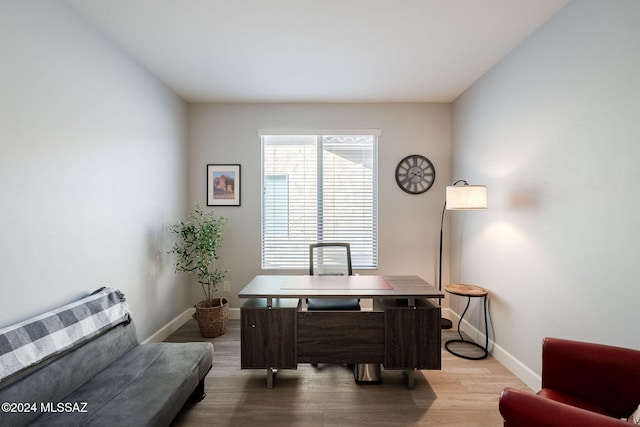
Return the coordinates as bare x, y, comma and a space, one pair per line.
465, 197
444, 322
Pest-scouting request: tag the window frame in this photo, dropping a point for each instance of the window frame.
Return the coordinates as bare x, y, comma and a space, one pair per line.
371, 256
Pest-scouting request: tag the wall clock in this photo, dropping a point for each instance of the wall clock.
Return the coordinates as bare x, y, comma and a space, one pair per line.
415, 174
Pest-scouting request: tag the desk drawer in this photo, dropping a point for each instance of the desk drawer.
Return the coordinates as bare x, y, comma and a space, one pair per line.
412, 335
268, 336
340, 337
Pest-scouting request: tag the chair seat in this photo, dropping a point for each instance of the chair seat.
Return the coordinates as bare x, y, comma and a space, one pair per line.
333, 304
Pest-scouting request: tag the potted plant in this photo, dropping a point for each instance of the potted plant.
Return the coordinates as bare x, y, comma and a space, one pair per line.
196, 248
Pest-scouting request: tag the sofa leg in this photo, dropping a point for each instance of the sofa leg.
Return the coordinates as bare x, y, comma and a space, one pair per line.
198, 394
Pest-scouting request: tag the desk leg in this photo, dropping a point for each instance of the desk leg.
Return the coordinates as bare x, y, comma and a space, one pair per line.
411, 378
270, 375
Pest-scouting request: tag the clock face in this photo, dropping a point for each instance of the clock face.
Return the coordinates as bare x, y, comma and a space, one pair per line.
415, 174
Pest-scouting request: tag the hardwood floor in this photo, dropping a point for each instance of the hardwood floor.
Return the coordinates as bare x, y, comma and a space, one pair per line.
463, 393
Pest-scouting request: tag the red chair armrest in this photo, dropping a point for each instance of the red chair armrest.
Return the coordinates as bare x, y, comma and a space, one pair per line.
522, 409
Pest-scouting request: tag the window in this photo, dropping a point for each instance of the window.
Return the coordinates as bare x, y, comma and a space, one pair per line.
320, 187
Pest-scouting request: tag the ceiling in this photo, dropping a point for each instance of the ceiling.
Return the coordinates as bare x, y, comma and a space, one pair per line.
317, 51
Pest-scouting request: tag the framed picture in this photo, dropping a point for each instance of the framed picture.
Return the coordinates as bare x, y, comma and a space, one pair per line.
223, 185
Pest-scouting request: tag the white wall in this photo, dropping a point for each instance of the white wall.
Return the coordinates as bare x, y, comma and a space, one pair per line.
92, 164
554, 131
409, 225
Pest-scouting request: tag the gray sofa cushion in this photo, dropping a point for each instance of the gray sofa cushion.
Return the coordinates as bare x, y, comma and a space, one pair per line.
54, 379
120, 381
146, 387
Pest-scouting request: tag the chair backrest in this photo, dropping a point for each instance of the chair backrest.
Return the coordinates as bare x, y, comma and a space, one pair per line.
330, 259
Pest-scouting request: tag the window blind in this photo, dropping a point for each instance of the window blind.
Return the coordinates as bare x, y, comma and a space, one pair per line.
318, 188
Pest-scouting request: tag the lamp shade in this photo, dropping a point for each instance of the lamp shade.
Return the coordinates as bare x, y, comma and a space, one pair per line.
466, 197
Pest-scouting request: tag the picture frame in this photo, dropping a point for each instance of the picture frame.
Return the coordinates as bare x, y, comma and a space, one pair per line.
223, 185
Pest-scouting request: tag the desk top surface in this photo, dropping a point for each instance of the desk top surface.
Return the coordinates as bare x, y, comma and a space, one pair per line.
280, 286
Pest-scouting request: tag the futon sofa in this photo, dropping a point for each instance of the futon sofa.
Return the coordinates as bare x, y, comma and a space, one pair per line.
82, 364
583, 384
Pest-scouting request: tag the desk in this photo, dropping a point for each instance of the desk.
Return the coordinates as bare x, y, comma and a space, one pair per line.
401, 332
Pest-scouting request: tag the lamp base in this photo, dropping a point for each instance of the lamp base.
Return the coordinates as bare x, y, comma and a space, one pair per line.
445, 323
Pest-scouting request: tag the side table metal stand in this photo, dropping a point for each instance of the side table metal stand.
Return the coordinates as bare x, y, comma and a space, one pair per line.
469, 291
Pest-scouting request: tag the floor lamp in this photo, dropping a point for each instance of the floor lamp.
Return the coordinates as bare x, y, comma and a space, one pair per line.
463, 197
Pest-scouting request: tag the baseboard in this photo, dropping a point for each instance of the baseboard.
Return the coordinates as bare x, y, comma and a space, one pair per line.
519, 369
234, 313
173, 325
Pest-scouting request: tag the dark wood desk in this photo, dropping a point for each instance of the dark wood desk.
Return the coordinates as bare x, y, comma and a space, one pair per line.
401, 332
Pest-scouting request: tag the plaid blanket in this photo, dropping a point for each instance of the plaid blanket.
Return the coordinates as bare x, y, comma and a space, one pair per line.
38, 338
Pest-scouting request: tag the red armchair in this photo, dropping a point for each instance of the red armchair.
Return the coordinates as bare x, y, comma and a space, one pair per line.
583, 384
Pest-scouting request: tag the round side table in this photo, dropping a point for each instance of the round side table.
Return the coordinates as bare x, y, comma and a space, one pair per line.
469, 291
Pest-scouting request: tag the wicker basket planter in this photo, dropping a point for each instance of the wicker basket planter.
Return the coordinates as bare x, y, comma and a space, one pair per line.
212, 320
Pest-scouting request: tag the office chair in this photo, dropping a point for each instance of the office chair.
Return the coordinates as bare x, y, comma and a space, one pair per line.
334, 259
331, 259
